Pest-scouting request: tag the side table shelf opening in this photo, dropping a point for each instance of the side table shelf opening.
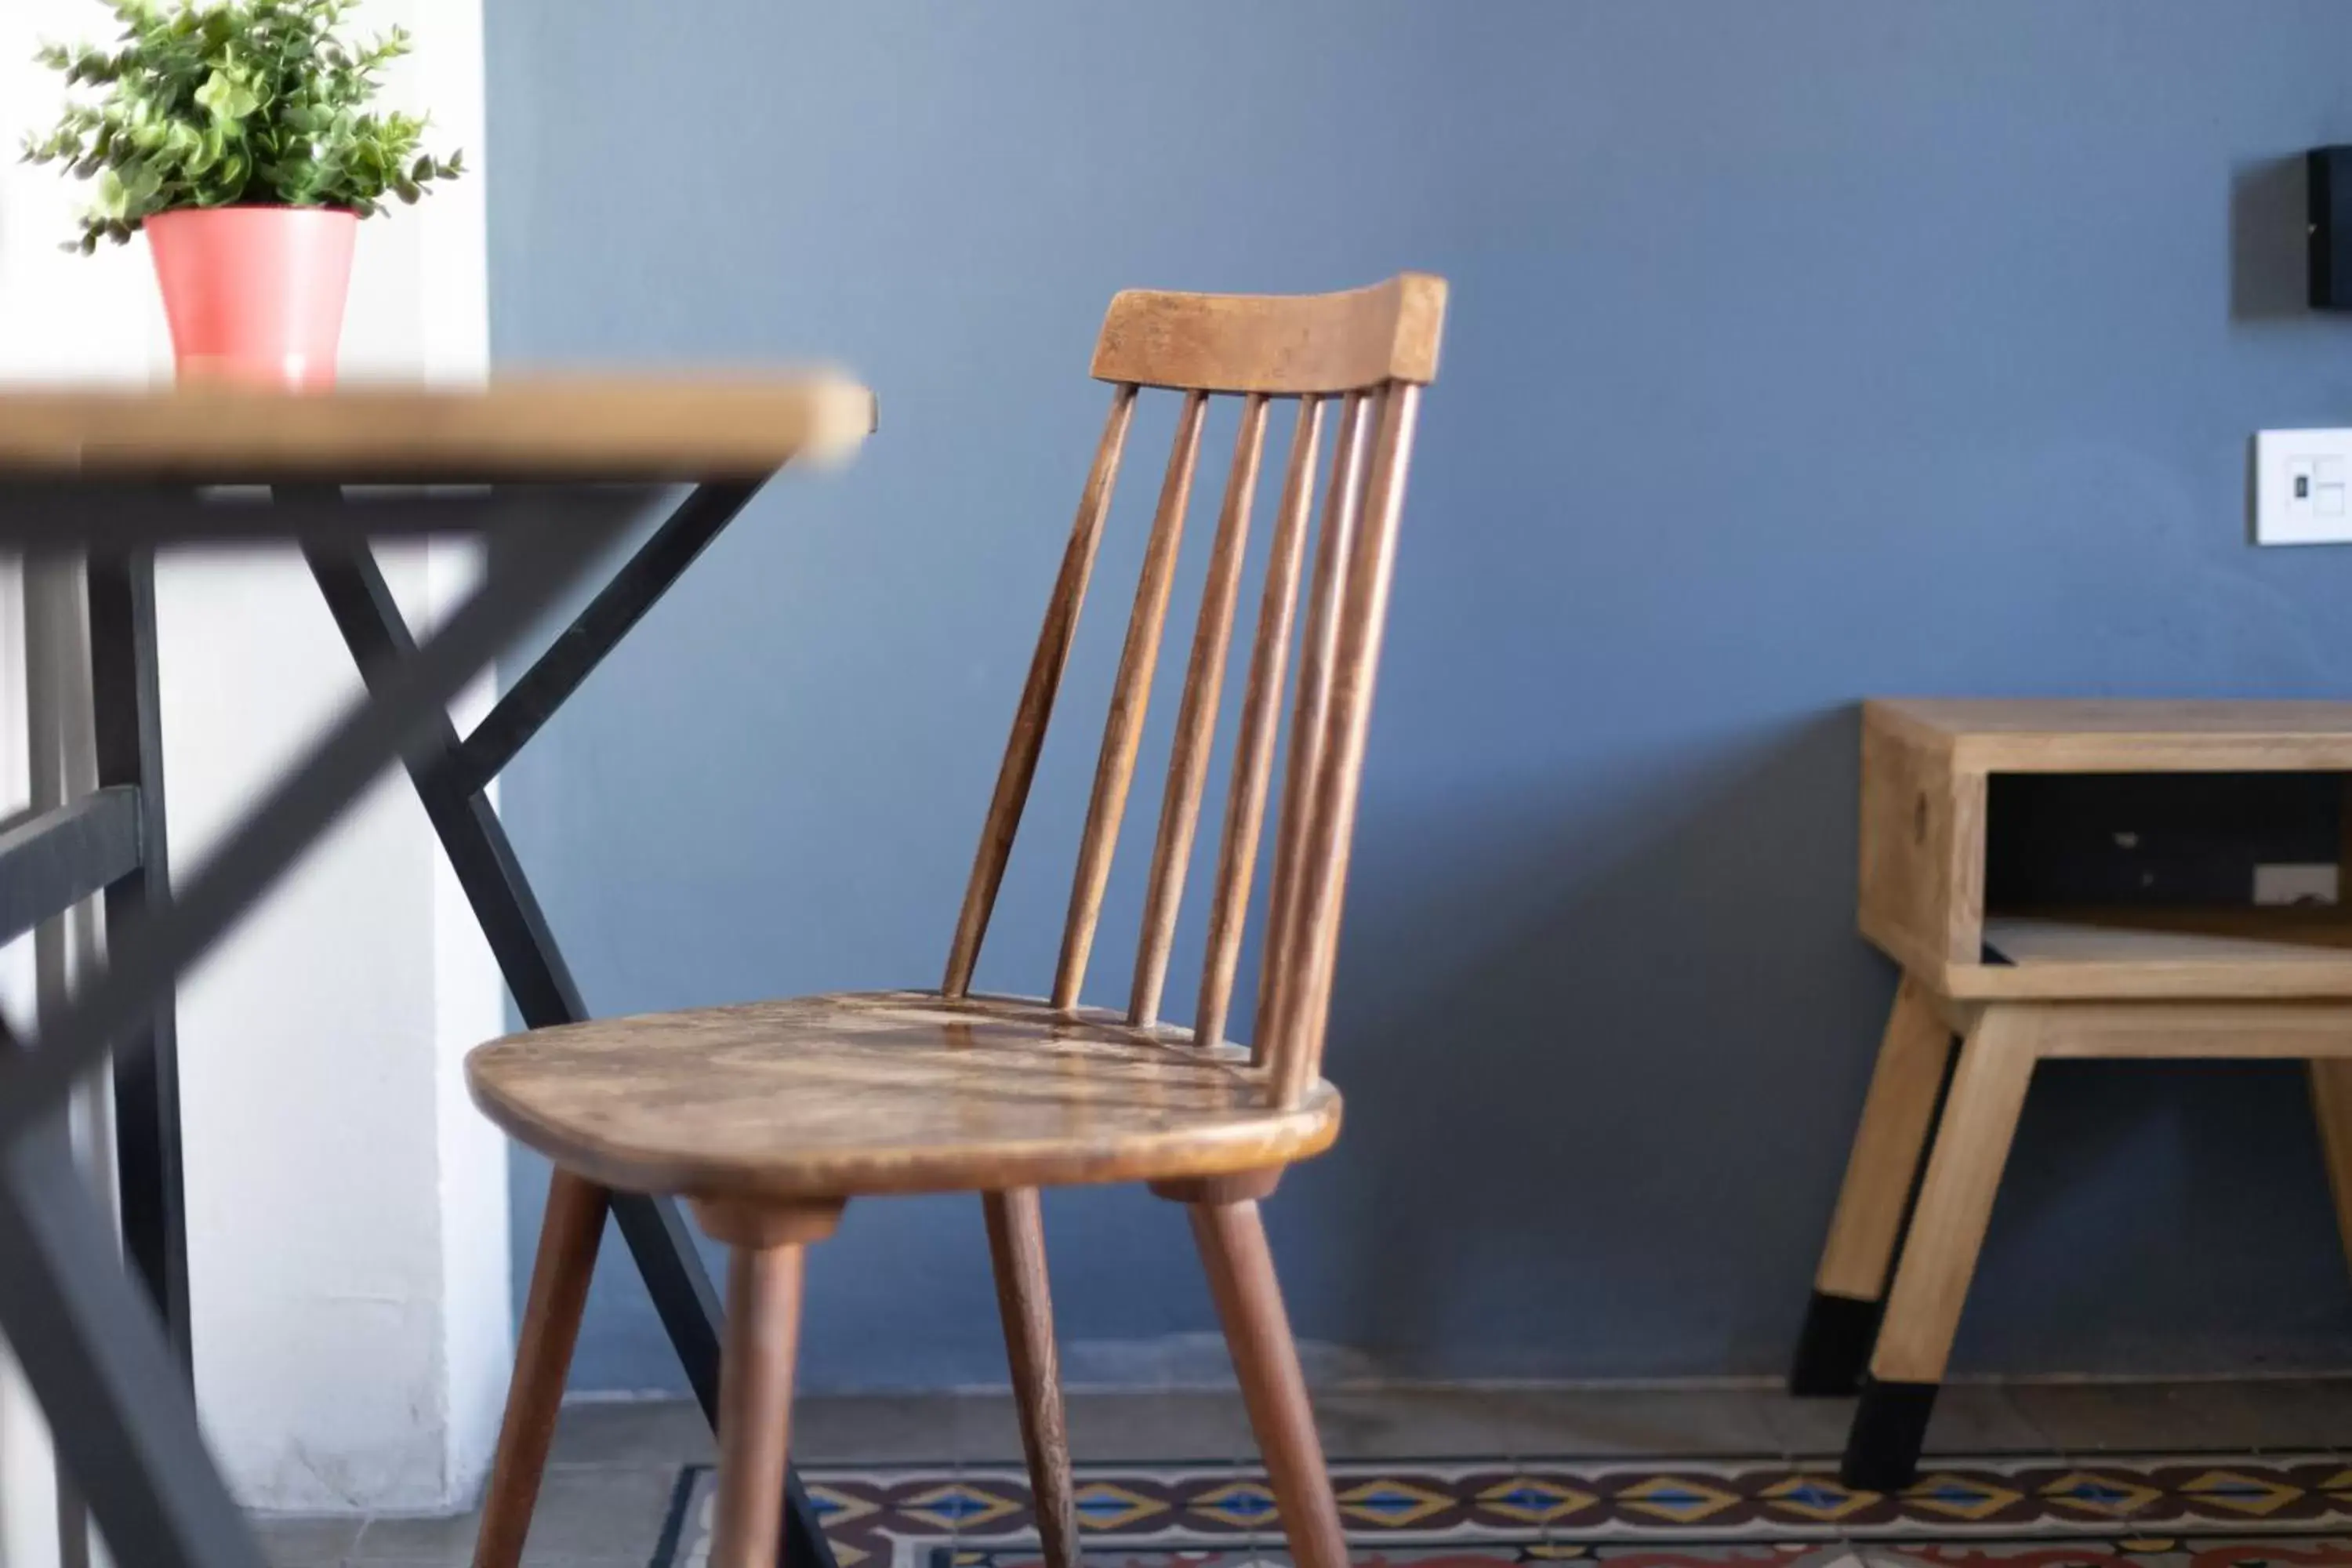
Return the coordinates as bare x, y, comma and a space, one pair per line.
2168, 874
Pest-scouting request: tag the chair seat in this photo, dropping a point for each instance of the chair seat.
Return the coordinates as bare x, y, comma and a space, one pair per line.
893, 1091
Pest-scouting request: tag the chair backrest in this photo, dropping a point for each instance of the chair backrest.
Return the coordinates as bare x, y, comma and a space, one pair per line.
1369, 352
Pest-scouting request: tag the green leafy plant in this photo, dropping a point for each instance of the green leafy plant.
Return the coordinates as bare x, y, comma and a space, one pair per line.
209, 103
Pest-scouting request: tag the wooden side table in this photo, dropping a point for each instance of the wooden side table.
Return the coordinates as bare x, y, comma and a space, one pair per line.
555, 469
2062, 879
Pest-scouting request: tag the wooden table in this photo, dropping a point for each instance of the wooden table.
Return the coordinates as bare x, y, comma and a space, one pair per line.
2063, 879
556, 469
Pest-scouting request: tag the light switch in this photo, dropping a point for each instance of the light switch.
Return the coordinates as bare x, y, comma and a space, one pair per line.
2303, 487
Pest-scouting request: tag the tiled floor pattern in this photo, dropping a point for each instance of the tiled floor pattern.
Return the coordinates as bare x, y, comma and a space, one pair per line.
615, 1465
2152, 1512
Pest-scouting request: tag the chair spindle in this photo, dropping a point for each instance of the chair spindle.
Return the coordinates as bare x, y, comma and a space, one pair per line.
1330, 819
1261, 718
1130, 697
1196, 719
1277, 971
1019, 769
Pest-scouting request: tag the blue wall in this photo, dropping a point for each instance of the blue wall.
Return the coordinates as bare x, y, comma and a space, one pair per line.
1800, 351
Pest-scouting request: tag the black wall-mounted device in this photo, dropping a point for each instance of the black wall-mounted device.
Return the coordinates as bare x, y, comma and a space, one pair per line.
2331, 228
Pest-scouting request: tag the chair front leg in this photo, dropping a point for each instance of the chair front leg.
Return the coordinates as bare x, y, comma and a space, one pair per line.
1016, 1245
1232, 1238
767, 1251
755, 1401
568, 1236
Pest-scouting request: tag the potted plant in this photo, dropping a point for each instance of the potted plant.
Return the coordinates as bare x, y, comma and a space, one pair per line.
237, 133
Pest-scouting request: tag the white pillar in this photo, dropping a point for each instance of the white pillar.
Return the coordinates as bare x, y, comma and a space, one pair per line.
348, 1235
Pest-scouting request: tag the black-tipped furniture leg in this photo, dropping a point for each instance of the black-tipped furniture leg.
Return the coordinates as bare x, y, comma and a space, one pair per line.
1833, 1351
1882, 1449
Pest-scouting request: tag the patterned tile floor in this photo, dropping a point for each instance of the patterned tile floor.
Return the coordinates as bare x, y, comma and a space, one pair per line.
615, 1474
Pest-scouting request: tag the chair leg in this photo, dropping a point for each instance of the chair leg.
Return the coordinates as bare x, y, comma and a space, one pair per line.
2331, 1096
1947, 1230
1016, 1245
1232, 1238
566, 1259
1842, 1320
755, 1401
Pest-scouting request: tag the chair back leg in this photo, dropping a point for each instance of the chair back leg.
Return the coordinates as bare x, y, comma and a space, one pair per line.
1231, 1239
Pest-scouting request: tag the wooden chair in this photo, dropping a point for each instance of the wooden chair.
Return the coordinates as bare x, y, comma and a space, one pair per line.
769, 1117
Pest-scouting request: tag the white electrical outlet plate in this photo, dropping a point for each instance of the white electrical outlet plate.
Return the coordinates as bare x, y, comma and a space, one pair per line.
2303, 487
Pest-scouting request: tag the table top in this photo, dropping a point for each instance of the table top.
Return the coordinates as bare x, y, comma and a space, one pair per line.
2126, 735
515, 429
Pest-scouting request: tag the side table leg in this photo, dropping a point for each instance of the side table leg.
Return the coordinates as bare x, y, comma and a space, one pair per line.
2331, 1097
1947, 1230
1882, 1174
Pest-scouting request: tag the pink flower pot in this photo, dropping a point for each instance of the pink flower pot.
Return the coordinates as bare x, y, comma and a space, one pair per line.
255, 294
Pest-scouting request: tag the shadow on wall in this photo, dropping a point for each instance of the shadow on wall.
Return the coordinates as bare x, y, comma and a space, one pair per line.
1552, 1022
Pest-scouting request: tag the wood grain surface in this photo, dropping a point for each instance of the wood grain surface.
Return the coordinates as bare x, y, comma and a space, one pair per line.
1281, 344
2282, 952
2124, 735
644, 429
850, 1094
1898, 1114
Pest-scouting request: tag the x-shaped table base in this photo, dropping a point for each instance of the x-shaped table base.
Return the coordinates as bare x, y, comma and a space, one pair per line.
98, 1356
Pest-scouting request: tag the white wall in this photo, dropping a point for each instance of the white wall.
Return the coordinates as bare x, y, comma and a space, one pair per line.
347, 1208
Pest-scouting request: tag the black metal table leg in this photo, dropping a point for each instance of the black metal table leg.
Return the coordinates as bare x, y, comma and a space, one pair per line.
118, 1403
89, 1340
146, 960
48, 864
98, 1356
130, 743
450, 776
635, 588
